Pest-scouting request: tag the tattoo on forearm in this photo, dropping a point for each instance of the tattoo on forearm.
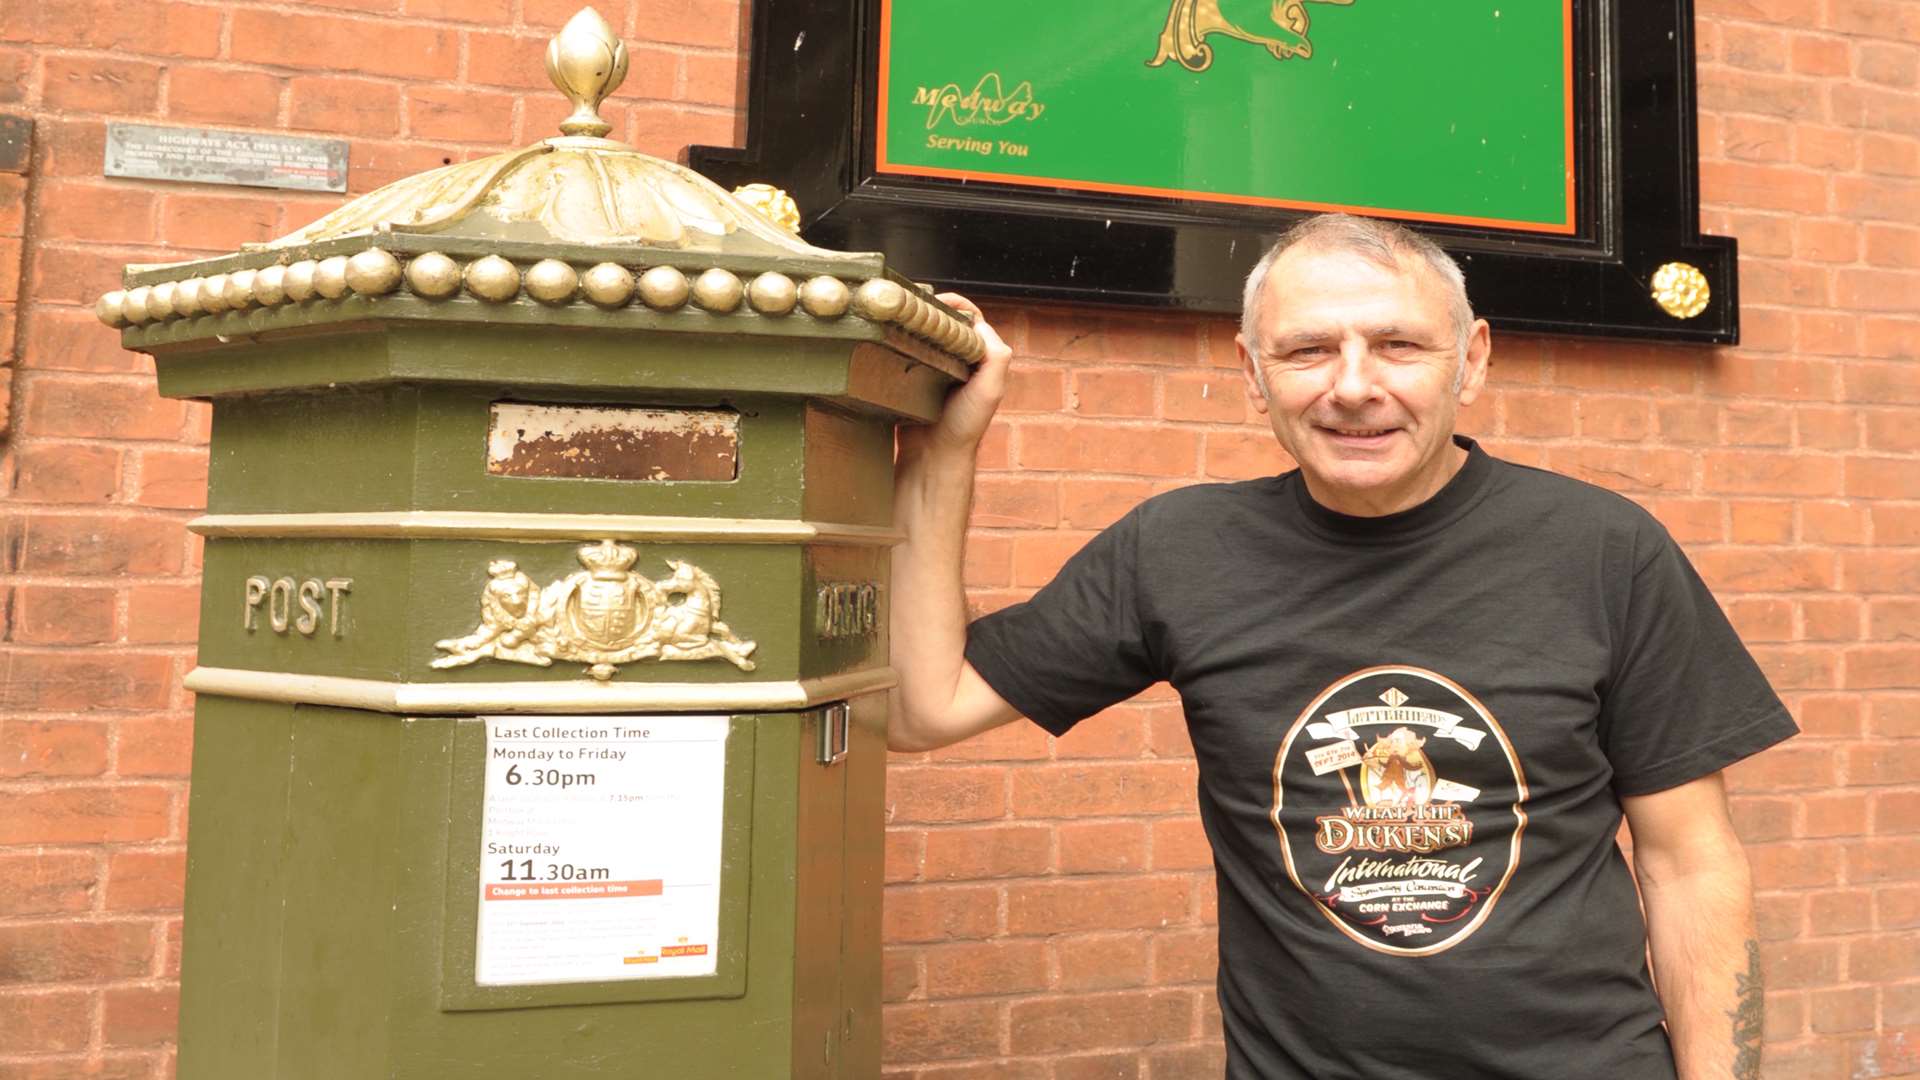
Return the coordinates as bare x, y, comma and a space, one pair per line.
1748, 1016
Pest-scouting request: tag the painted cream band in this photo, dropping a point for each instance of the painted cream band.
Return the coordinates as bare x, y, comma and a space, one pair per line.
577, 695
480, 525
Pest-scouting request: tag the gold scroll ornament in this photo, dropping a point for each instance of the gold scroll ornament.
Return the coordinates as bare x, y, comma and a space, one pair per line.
1681, 289
1191, 22
602, 616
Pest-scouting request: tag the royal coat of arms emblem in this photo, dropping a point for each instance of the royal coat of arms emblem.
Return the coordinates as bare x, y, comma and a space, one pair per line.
603, 616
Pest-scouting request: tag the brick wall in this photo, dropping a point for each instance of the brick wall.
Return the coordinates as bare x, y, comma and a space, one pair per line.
1049, 906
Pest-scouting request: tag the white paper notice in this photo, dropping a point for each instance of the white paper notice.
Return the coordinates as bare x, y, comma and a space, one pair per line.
600, 848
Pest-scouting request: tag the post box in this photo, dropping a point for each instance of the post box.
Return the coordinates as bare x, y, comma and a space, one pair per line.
542, 667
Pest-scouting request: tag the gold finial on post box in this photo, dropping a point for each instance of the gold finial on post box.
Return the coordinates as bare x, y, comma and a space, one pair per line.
587, 62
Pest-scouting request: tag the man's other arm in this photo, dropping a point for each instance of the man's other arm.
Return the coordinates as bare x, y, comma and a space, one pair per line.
941, 699
1699, 902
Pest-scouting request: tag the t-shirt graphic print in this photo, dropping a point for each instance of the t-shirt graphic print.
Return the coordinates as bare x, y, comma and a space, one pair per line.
1400, 808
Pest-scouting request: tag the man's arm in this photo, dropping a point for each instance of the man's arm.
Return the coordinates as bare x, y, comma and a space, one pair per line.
1699, 902
941, 699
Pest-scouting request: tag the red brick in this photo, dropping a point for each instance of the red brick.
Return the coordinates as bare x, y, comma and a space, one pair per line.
1114, 393
1102, 847
946, 793
141, 1016
1760, 522
66, 473
1084, 790
46, 884
1891, 763
110, 408
1204, 397
1833, 149
1831, 618
108, 211
69, 275
460, 114
51, 748
1766, 570
74, 952
508, 60
84, 84
1761, 820
155, 746
923, 913
1017, 741
1067, 1023
1764, 187
940, 1031
214, 95
88, 544
1821, 428
1882, 478
40, 1023
993, 968
77, 682
1128, 903
331, 43
1890, 245
63, 615
1878, 290
343, 105
1103, 961
1035, 390
708, 23
173, 479
146, 880
1536, 415
484, 12
80, 815
1793, 766
663, 130
71, 339
1015, 502
1844, 1010
1872, 667
1887, 155
1038, 557
1624, 469
1243, 455
163, 614
972, 854
1893, 619
1800, 380
1096, 504
218, 222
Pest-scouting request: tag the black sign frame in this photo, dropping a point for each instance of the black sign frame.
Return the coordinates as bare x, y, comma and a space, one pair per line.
811, 85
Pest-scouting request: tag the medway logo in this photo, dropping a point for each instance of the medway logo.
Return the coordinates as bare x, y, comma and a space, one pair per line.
988, 103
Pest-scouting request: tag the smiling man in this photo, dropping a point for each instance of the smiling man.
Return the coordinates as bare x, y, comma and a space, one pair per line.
1423, 686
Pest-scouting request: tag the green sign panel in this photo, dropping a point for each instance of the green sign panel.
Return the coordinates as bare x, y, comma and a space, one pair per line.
1444, 112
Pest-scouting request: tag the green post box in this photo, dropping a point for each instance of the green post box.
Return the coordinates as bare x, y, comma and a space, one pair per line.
542, 684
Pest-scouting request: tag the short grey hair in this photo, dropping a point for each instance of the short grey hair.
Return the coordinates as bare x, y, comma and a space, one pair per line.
1378, 241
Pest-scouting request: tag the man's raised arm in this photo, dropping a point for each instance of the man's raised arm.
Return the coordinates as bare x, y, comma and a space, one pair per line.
941, 698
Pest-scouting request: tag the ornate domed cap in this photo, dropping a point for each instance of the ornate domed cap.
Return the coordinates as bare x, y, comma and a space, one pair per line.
578, 221
577, 188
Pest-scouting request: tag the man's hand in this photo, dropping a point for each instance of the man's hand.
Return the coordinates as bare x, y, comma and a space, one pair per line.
1699, 901
970, 410
941, 699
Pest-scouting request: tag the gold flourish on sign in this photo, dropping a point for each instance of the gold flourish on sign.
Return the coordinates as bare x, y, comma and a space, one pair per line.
1681, 290
602, 616
1191, 22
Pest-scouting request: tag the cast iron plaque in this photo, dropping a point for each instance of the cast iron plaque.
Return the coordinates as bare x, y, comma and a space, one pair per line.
238, 158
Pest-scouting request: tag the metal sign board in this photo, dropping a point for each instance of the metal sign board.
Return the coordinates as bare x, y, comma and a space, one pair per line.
238, 158
600, 849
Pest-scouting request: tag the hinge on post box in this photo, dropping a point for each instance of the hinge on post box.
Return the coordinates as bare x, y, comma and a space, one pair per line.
836, 722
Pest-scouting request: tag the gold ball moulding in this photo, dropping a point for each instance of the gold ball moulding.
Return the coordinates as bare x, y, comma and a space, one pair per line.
270, 286
880, 300
186, 296
608, 285
1681, 290
825, 297
239, 291
493, 279
773, 293
160, 301
213, 293
133, 306
300, 280
373, 272
551, 281
330, 277
108, 309
664, 288
433, 275
718, 291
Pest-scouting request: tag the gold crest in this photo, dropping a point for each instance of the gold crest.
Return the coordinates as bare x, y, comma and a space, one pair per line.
602, 616
1191, 22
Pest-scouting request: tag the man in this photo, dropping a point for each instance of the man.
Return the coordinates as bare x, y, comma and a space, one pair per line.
1422, 685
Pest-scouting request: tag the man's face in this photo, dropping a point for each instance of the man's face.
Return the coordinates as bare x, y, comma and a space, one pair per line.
1362, 376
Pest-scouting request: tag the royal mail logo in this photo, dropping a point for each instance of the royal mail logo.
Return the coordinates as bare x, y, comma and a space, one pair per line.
1399, 805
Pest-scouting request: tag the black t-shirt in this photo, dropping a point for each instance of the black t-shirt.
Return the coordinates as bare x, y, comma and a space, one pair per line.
1413, 733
